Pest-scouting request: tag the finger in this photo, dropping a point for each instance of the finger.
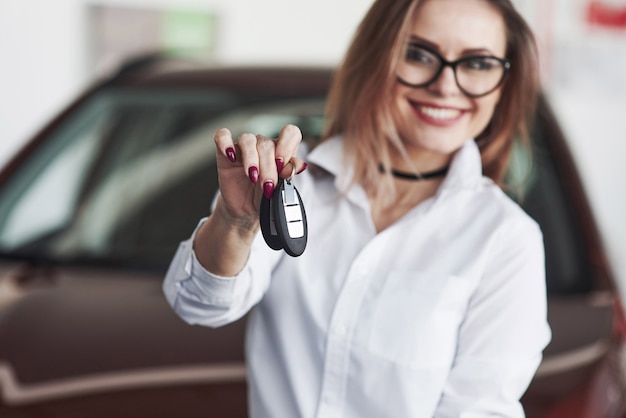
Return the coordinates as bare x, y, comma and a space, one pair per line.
288, 141
268, 173
225, 144
294, 166
249, 155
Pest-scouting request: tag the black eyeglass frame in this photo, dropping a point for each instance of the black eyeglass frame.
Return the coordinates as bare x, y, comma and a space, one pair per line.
506, 65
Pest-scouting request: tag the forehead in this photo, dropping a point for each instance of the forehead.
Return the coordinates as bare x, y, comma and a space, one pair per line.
458, 25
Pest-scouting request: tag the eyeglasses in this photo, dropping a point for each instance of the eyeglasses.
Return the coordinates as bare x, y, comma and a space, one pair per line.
476, 76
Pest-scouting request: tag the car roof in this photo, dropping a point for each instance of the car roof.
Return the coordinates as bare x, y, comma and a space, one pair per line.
163, 72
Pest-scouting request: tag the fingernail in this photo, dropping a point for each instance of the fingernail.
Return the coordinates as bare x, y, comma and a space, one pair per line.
230, 153
253, 173
304, 167
268, 189
280, 163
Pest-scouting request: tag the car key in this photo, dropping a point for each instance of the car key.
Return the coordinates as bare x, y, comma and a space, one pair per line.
290, 218
268, 224
283, 219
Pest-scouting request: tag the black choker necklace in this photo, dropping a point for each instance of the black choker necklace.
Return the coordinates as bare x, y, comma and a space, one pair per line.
411, 176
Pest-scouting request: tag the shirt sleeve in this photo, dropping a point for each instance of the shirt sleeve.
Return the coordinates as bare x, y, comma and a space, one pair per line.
505, 330
202, 298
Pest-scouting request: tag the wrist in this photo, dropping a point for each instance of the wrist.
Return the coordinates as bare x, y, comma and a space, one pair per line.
245, 227
222, 244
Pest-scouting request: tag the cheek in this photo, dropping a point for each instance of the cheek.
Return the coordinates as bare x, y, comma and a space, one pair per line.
399, 104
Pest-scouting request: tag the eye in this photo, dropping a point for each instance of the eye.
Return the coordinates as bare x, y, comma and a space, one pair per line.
480, 64
419, 55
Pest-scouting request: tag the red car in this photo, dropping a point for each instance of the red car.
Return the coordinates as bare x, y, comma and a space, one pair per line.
93, 207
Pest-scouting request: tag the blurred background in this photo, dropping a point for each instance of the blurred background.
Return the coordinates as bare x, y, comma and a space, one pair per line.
52, 50
81, 309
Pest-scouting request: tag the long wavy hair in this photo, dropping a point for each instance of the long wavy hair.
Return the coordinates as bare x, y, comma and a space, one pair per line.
359, 105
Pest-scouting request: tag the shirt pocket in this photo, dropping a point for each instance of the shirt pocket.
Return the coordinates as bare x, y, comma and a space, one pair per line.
416, 318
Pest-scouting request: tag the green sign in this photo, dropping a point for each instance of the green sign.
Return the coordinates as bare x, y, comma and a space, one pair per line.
188, 33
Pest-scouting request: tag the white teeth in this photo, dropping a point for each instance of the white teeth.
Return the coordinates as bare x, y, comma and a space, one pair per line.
438, 113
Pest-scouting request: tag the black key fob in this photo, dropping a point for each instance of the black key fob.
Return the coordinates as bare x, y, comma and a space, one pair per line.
283, 219
268, 224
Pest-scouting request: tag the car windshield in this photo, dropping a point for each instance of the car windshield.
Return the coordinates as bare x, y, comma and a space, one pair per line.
128, 176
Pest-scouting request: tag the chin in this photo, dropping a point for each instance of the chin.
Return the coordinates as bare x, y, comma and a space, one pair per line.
441, 144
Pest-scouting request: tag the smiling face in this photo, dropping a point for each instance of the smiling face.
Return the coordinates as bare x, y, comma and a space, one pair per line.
435, 120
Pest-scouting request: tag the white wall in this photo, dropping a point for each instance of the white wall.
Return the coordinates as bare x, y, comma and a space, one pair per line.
44, 46
41, 65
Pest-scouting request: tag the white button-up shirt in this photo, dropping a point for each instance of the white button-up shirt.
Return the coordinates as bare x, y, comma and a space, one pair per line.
442, 314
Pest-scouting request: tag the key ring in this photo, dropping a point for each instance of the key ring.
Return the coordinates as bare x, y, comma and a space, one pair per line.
283, 218
293, 170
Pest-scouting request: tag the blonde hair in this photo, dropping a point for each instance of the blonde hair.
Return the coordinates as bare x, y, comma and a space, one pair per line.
359, 105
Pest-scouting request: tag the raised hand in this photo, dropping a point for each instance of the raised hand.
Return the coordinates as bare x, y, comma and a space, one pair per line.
247, 169
251, 166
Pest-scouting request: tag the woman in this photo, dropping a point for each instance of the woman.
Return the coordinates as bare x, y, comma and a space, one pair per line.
421, 292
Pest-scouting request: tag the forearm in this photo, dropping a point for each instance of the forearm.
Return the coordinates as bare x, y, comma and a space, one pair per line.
203, 297
222, 244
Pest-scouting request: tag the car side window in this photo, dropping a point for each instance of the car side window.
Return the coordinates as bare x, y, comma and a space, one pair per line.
134, 180
41, 199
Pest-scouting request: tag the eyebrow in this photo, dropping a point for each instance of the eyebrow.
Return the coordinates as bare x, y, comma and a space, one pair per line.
469, 51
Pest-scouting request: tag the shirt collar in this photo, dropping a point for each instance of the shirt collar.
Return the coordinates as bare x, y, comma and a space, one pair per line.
465, 168
329, 155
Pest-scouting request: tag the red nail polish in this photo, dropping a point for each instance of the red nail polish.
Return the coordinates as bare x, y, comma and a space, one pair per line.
280, 163
253, 173
304, 167
230, 153
268, 189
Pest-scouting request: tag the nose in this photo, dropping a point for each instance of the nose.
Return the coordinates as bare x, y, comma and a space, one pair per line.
445, 84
